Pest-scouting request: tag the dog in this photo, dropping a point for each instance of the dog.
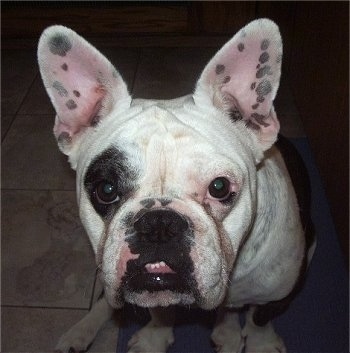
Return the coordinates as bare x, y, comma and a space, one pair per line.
186, 201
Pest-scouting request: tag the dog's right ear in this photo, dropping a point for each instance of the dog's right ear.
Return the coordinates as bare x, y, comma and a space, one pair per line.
82, 84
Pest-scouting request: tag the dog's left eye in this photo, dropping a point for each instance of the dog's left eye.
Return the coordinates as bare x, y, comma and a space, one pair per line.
220, 189
106, 193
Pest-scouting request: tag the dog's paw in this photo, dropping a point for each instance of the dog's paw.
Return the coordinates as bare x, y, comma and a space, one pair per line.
263, 340
227, 341
78, 339
151, 339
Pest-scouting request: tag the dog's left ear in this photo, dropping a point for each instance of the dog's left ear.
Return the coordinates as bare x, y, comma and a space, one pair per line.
243, 77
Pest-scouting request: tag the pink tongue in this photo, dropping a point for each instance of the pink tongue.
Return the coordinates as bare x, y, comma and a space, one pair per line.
158, 269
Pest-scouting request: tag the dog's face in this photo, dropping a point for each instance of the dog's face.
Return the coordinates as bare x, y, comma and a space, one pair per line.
166, 189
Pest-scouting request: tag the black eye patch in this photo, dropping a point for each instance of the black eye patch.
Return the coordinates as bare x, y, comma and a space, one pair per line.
111, 167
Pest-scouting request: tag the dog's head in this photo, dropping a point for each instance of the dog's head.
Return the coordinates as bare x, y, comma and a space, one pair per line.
166, 189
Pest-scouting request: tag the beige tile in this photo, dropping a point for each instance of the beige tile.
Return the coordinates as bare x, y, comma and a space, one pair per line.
166, 73
31, 159
46, 256
18, 70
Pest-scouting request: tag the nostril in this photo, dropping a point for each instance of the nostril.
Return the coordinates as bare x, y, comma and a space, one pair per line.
160, 225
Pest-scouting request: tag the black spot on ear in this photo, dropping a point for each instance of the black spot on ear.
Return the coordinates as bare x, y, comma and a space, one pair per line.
265, 70
235, 115
265, 44
76, 93
240, 47
260, 99
59, 44
71, 104
255, 105
264, 88
64, 67
264, 57
252, 125
94, 121
219, 69
252, 86
60, 89
260, 119
227, 79
64, 138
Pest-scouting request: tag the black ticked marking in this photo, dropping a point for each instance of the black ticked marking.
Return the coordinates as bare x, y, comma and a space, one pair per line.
240, 47
76, 93
260, 99
148, 203
60, 89
253, 85
227, 79
59, 44
71, 104
264, 88
64, 67
111, 165
265, 44
164, 201
265, 70
219, 69
264, 57
255, 106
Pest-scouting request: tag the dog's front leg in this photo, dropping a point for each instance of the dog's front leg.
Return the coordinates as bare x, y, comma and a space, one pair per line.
81, 335
226, 334
157, 335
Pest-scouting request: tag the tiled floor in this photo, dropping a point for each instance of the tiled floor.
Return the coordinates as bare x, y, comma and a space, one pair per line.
48, 268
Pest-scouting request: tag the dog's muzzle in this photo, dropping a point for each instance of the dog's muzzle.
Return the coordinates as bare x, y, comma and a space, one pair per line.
162, 238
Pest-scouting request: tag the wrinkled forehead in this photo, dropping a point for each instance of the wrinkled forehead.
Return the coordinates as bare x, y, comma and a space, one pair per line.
158, 136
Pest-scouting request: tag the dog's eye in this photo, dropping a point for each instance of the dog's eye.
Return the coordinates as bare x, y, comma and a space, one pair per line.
220, 188
106, 193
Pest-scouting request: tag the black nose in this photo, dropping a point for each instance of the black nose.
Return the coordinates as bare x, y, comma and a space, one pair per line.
161, 226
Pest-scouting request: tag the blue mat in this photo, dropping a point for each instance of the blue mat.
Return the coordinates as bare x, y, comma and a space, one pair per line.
317, 320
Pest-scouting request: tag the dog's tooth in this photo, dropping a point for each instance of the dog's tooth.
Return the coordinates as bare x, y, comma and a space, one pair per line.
157, 265
162, 263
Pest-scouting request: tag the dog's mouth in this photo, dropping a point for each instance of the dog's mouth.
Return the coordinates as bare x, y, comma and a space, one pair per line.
155, 276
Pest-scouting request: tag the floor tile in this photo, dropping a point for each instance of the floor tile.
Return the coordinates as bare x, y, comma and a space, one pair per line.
46, 256
38, 330
18, 70
31, 159
166, 73
35, 329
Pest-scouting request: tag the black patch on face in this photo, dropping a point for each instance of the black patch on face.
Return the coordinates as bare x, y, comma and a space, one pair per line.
71, 104
111, 165
59, 44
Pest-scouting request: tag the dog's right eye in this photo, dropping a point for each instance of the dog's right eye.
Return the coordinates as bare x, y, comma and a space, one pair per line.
106, 193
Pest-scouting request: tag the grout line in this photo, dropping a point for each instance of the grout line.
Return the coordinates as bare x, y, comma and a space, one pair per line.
19, 107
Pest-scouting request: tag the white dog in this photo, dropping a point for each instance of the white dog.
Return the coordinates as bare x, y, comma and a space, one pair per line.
186, 201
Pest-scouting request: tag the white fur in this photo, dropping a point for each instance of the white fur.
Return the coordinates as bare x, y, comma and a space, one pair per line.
176, 148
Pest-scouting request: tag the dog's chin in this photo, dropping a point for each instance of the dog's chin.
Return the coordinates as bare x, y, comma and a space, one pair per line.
151, 299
